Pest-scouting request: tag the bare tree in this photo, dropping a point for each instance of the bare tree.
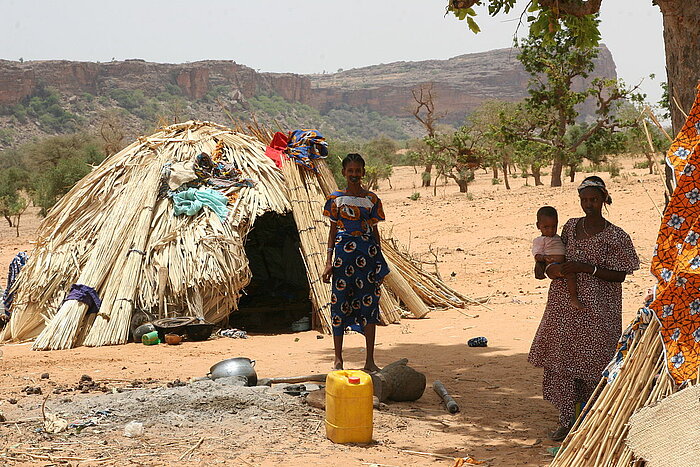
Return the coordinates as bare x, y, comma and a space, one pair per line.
112, 132
424, 111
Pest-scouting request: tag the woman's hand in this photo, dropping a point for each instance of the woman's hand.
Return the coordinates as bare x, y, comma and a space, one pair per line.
327, 273
574, 267
553, 271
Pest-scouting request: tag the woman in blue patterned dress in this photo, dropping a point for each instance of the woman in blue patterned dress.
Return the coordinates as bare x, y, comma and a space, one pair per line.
359, 266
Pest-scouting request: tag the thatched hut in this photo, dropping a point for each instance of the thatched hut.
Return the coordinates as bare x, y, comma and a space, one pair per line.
116, 232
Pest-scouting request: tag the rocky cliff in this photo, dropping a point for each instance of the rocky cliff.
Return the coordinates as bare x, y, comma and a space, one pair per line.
341, 104
460, 84
20, 80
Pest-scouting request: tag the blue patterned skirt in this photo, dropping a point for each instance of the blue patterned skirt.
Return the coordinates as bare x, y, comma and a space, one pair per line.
358, 270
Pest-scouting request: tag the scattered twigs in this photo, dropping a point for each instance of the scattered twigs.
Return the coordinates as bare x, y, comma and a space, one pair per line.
43, 407
431, 454
23, 420
191, 450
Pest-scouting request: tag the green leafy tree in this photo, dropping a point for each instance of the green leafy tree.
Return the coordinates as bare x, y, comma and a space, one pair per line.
455, 155
512, 119
13, 200
57, 163
531, 157
597, 148
548, 17
552, 104
382, 148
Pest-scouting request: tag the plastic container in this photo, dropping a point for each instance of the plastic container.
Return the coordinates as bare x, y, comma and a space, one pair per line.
150, 338
349, 406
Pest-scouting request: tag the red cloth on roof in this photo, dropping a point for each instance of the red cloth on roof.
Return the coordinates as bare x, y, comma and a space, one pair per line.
276, 148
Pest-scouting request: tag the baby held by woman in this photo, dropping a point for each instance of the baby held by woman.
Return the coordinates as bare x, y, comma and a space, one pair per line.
548, 248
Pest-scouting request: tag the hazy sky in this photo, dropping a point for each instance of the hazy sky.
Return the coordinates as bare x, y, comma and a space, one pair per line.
306, 36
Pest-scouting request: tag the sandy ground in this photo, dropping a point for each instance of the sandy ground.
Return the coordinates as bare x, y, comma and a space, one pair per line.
482, 243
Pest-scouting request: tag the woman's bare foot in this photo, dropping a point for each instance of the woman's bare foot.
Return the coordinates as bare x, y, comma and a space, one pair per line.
576, 303
338, 365
371, 367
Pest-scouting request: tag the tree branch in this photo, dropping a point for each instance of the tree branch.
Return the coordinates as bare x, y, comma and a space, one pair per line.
576, 8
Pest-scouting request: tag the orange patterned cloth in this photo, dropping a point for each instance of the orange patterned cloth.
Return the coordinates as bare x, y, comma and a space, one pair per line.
676, 261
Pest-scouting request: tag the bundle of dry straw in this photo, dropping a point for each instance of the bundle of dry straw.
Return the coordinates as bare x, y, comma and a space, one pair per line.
598, 437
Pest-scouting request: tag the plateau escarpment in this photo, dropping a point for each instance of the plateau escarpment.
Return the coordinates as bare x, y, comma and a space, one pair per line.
58, 96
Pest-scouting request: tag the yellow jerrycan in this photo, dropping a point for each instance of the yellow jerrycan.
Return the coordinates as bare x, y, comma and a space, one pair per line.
349, 407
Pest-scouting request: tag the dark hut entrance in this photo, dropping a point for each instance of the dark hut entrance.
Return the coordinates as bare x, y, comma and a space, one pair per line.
277, 298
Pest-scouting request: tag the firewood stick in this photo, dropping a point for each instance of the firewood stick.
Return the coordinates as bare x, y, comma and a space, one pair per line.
320, 378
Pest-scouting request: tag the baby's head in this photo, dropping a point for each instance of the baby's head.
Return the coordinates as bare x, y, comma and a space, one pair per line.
547, 220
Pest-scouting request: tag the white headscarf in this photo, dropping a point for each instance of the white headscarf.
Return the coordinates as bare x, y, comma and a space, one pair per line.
599, 184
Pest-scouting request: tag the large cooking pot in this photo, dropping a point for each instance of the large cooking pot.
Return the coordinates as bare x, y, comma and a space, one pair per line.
239, 366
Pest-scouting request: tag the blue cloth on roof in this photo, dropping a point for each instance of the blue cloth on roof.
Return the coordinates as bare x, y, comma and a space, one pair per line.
304, 146
192, 201
86, 295
16, 265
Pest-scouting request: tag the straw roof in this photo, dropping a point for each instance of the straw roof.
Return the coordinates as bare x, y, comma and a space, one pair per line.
114, 233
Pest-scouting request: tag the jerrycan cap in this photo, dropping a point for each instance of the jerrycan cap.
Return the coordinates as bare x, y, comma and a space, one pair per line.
354, 379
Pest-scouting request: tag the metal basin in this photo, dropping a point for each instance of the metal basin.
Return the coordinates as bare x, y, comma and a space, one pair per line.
239, 366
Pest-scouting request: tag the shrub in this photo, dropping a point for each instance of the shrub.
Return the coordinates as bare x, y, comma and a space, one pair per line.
56, 164
613, 168
44, 106
6, 136
415, 196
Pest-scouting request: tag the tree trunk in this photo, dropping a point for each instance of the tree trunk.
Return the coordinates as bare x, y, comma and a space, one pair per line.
536, 175
557, 167
572, 173
495, 171
426, 175
505, 175
650, 161
681, 25
463, 186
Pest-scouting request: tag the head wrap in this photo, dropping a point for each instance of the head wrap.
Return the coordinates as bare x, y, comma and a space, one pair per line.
596, 183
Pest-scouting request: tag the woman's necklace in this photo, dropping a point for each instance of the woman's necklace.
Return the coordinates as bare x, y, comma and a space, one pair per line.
588, 234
